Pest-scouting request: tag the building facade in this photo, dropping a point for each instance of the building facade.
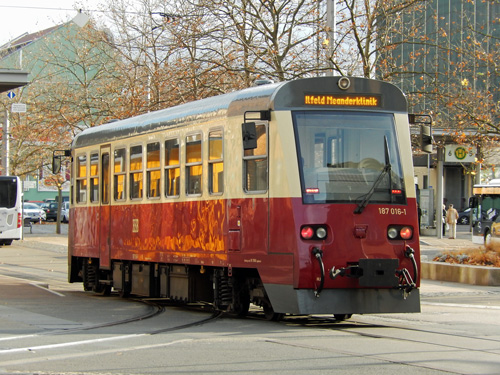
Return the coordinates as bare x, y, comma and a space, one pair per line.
449, 51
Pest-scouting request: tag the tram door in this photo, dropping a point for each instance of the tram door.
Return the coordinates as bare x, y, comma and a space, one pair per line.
254, 210
104, 224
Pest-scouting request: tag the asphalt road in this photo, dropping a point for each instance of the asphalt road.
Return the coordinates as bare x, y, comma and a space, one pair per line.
48, 326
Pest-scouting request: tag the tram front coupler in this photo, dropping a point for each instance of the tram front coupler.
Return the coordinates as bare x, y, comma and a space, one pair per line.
380, 273
406, 282
349, 271
318, 254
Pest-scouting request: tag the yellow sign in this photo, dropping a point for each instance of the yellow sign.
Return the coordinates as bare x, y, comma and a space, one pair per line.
343, 100
460, 154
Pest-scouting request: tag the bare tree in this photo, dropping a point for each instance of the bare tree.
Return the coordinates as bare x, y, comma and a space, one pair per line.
69, 91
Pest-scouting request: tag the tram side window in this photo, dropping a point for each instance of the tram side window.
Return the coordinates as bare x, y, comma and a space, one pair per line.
172, 168
255, 163
94, 177
105, 178
81, 179
153, 169
194, 167
215, 162
119, 174
136, 176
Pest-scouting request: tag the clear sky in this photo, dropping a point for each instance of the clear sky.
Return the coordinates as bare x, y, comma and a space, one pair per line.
20, 16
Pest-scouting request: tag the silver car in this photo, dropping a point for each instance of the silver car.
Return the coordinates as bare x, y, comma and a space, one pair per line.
65, 212
33, 212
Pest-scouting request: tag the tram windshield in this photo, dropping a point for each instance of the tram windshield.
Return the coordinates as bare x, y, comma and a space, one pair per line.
347, 157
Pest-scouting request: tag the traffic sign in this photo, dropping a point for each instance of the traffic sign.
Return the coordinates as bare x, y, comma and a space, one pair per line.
11, 94
18, 108
460, 154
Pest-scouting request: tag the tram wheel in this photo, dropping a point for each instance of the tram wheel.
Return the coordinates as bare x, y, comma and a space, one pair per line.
341, 317
271, 315
241, 308
124, 293
241, 299
102, 290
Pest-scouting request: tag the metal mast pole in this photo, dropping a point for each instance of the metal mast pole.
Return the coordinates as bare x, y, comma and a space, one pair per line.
5, 146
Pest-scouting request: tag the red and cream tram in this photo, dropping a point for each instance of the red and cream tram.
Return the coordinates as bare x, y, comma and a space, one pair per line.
296, 196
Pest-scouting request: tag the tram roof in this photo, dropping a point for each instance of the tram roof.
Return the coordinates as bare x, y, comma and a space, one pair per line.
276, 96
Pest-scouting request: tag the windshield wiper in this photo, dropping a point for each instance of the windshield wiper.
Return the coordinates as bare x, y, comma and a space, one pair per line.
386, 170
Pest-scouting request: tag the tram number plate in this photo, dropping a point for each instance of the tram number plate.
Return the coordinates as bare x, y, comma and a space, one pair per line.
391, 211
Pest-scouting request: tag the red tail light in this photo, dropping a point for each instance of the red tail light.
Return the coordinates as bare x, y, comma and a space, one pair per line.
19, 220
307, 233
406, 233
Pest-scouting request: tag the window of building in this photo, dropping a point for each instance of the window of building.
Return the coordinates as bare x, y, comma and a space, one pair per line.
94, 177
194, 166
255, 163
153, 170
119, 174
136, 176
172, 168
215, 162
81, 179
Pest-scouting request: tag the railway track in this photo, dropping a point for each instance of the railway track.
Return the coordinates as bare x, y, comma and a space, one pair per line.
13, 344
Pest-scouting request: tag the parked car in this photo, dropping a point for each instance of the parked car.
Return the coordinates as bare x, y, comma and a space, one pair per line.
33, 212
464, 216
65, 212
51, 211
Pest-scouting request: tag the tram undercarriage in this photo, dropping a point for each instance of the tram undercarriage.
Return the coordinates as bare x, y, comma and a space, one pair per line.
182, 283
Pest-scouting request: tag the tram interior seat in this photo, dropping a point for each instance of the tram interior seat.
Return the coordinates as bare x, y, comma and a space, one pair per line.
154, 190
194, 184
173, 188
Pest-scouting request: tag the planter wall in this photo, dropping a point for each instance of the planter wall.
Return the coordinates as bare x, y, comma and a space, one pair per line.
461, 273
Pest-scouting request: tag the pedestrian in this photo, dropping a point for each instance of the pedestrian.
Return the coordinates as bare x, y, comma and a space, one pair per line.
444, 220
451, 220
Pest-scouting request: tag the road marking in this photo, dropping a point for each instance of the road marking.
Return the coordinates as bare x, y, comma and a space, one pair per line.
46, 288
92, 354
66, 344
17, 337
30, 282
484, 307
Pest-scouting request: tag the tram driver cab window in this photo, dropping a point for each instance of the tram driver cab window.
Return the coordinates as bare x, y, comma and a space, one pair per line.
255, 162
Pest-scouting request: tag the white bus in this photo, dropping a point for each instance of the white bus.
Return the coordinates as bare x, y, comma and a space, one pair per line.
11, 209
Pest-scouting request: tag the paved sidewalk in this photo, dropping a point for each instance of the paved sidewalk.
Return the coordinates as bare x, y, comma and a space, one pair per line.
430, 246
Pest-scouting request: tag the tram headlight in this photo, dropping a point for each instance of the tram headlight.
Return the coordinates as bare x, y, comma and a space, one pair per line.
392, 233
321, 233
344, 83
314, 232
400, 232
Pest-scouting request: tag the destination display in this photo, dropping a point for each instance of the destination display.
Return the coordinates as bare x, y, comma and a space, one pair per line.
342, 100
